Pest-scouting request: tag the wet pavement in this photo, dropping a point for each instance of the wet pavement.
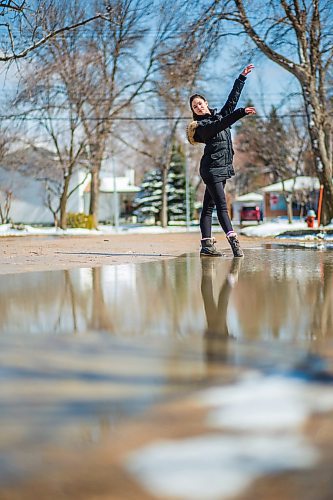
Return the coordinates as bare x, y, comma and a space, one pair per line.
181, 378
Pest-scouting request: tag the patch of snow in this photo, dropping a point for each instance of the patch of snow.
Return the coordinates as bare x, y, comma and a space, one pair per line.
26, 230
272, 228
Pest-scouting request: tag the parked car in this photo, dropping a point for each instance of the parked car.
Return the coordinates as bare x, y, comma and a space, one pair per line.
250, 213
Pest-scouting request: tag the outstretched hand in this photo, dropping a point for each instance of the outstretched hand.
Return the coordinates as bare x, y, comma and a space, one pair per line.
250, 111
247, 70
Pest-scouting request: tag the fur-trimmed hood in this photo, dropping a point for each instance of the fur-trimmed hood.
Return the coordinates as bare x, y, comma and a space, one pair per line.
190, 131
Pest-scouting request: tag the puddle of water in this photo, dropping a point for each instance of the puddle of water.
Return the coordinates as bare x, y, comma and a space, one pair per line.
284, 294
82, 350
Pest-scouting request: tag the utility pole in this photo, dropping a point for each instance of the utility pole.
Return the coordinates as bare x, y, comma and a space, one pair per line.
187, 192
115, 197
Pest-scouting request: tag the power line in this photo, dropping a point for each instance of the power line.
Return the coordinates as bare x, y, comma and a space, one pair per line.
128, 118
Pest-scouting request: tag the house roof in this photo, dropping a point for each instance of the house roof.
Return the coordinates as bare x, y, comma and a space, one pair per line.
122, 185
294, 184
250, 197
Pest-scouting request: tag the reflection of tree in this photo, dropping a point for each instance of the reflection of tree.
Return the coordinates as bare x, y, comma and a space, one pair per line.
69, 288
167, 296
73, 299
327, 310
269, 297
286, 296
217, 332
43, 302
321, 300
101, 313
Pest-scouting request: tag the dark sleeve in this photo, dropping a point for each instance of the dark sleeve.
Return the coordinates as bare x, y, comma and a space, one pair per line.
207, 129
234, 95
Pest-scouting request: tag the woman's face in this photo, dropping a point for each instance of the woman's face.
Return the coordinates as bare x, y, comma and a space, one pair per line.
200, 106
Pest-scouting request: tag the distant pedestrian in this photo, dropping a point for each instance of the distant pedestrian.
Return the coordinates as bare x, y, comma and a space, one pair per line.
212, 128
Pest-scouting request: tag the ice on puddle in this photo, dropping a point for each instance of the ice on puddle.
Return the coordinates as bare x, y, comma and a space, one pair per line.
265, 403
265, 415
216, 466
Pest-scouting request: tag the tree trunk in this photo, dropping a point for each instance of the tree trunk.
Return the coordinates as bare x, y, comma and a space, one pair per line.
94, 196
63, 203
164, 209
55, 220
321, 148
290, 209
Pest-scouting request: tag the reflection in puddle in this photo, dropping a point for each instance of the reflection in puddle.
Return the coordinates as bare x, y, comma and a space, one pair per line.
282, 293
84, 349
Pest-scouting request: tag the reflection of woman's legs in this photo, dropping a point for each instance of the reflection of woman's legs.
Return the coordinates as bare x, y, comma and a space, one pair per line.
217, 196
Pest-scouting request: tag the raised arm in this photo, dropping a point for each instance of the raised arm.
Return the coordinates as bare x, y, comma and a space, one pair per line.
206, 129
235, 93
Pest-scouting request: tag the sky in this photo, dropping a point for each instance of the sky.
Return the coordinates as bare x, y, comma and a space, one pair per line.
267, 85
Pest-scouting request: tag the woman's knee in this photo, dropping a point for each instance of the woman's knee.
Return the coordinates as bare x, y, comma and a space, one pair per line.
207, 208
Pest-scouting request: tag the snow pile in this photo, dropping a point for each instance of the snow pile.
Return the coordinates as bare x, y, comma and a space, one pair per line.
273, 228
267, 229
26, 230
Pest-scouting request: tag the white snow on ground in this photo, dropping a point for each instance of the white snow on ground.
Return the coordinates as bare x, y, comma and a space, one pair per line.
273, 228
25, 230
280, 226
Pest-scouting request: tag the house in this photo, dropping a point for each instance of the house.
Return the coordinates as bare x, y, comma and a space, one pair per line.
305, 191
25, 180
29, 197
116, 195
272, 199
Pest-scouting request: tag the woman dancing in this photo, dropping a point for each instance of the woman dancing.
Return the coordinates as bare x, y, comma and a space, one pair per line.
212, 128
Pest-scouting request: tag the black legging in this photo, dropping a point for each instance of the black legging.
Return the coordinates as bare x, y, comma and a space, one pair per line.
214, 196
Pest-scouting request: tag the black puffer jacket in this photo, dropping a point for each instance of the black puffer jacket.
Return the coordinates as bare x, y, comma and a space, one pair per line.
214, 131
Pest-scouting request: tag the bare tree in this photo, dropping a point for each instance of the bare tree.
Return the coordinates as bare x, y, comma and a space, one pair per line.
252, 172
23, 25
297, 36
106, 73
181, 63
80, 85
297, 144
47, 104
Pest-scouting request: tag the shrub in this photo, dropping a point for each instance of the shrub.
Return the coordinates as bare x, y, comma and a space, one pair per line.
76, 220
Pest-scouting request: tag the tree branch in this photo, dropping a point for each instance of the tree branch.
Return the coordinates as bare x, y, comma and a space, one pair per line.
283, 61
45, 39
12, 6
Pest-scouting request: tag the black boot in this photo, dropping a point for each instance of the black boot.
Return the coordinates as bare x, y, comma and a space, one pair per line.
235, 246
209, 249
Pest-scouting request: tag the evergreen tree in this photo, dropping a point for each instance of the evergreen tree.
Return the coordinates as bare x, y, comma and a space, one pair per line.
177, 185
148, 202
